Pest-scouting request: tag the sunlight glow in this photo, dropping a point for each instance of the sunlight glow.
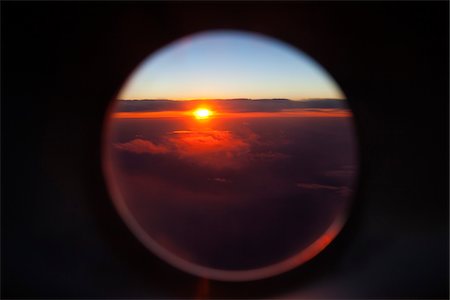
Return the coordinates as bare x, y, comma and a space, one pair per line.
293, 113
202, 113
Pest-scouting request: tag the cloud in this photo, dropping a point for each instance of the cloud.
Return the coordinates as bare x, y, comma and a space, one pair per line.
315, 186
141, 146
341, 190
221, 180
344, 171
215, 149
229, 105
342, 175
269, 156
236, 187
212, 148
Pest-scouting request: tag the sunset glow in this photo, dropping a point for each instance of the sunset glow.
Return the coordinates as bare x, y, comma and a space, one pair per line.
202, 113
318, 113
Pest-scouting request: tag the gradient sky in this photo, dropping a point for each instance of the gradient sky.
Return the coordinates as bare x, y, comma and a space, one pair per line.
229, 64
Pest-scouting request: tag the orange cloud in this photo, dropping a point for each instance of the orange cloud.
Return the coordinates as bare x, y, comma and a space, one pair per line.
151, 114
212, 148
142, 146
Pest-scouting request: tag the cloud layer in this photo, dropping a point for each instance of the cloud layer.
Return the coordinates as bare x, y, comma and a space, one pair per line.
212, 148
141, 146
237, 194
228, 105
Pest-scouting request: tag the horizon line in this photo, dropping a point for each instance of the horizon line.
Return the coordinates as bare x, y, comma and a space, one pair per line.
224, 99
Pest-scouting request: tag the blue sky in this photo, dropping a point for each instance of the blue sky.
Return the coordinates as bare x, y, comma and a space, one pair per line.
229, 64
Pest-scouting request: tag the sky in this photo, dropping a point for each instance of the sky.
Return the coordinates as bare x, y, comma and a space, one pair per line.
229, 64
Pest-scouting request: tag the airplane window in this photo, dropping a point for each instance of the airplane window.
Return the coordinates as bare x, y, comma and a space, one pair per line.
231, 155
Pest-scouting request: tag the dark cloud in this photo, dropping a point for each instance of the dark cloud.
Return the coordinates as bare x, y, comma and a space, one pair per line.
340, 190
221, 180
315, 186
236, 194
229, 105
141, 146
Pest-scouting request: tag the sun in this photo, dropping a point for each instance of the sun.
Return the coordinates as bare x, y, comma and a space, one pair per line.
202, 113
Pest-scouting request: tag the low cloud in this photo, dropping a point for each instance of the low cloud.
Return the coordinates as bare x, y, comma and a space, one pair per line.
141, 146
229, 105
315, 186
340, 173
197, 192
211, 148
341, 190
221, 180
269, 156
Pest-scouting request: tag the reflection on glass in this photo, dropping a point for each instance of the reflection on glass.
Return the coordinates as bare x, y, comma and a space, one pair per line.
231, 155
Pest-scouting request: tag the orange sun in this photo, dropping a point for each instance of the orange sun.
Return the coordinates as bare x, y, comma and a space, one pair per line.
202, 113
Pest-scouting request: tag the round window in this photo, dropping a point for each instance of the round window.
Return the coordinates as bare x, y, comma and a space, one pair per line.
231, 155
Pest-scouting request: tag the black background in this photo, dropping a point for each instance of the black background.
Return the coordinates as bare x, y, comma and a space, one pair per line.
62, 62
